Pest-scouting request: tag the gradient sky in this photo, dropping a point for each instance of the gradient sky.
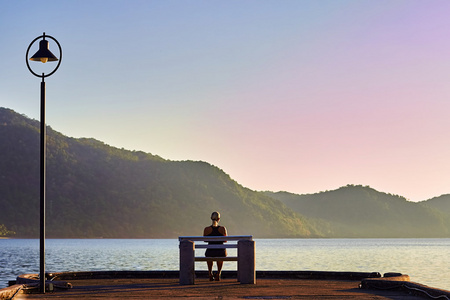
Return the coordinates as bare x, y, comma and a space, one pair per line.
300, 96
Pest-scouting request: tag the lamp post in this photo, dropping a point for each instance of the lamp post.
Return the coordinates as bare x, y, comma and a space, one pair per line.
43, 55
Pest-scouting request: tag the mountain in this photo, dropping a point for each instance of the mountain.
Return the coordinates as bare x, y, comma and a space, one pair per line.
95, 190
441, 203
356, 211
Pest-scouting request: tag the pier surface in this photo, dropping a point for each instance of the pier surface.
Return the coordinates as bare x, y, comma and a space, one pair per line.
225, 289
165, 285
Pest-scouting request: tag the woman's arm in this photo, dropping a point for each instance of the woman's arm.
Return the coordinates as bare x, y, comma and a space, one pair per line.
207, 231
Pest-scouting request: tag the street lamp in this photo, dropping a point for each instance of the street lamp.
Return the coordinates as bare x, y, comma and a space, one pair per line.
43, 55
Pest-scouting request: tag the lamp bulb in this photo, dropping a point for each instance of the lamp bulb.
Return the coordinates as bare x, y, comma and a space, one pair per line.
44, 59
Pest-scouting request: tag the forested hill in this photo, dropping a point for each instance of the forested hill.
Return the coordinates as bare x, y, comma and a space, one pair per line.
94, 190
360, 211
441, 203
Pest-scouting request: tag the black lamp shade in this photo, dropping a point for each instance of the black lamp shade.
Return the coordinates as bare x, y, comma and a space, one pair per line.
43, 54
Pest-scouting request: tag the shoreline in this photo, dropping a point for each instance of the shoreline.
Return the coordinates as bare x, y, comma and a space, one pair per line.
165, 284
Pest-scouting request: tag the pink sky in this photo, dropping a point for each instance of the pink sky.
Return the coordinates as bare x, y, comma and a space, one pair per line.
301, 96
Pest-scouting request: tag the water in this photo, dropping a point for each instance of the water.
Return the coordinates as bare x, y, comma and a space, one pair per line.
426, 261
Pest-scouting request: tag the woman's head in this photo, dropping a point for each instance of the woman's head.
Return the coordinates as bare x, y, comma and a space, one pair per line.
215, 216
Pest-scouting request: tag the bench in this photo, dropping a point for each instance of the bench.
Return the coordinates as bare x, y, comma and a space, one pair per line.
245, 258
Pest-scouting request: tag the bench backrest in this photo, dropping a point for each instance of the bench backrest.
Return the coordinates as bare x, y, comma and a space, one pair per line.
216, 238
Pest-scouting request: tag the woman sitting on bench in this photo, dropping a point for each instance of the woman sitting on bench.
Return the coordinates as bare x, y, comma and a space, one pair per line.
215, 230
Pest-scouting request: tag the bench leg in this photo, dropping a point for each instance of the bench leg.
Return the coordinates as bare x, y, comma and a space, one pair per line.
246, 262
187, 262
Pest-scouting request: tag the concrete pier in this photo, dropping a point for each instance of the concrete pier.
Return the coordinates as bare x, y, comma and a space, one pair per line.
270, 285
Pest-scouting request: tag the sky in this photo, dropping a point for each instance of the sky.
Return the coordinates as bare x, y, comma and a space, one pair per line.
298, 96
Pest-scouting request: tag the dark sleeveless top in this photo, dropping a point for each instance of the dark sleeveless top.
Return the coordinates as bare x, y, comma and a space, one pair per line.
215, 252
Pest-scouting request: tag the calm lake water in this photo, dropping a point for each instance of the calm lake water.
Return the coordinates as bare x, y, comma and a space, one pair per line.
426, 261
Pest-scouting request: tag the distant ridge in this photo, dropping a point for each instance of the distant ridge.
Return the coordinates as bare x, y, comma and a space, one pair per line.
360, 211
441, 203
95, 190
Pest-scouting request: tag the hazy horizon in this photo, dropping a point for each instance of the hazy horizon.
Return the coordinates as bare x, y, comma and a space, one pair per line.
297, 96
